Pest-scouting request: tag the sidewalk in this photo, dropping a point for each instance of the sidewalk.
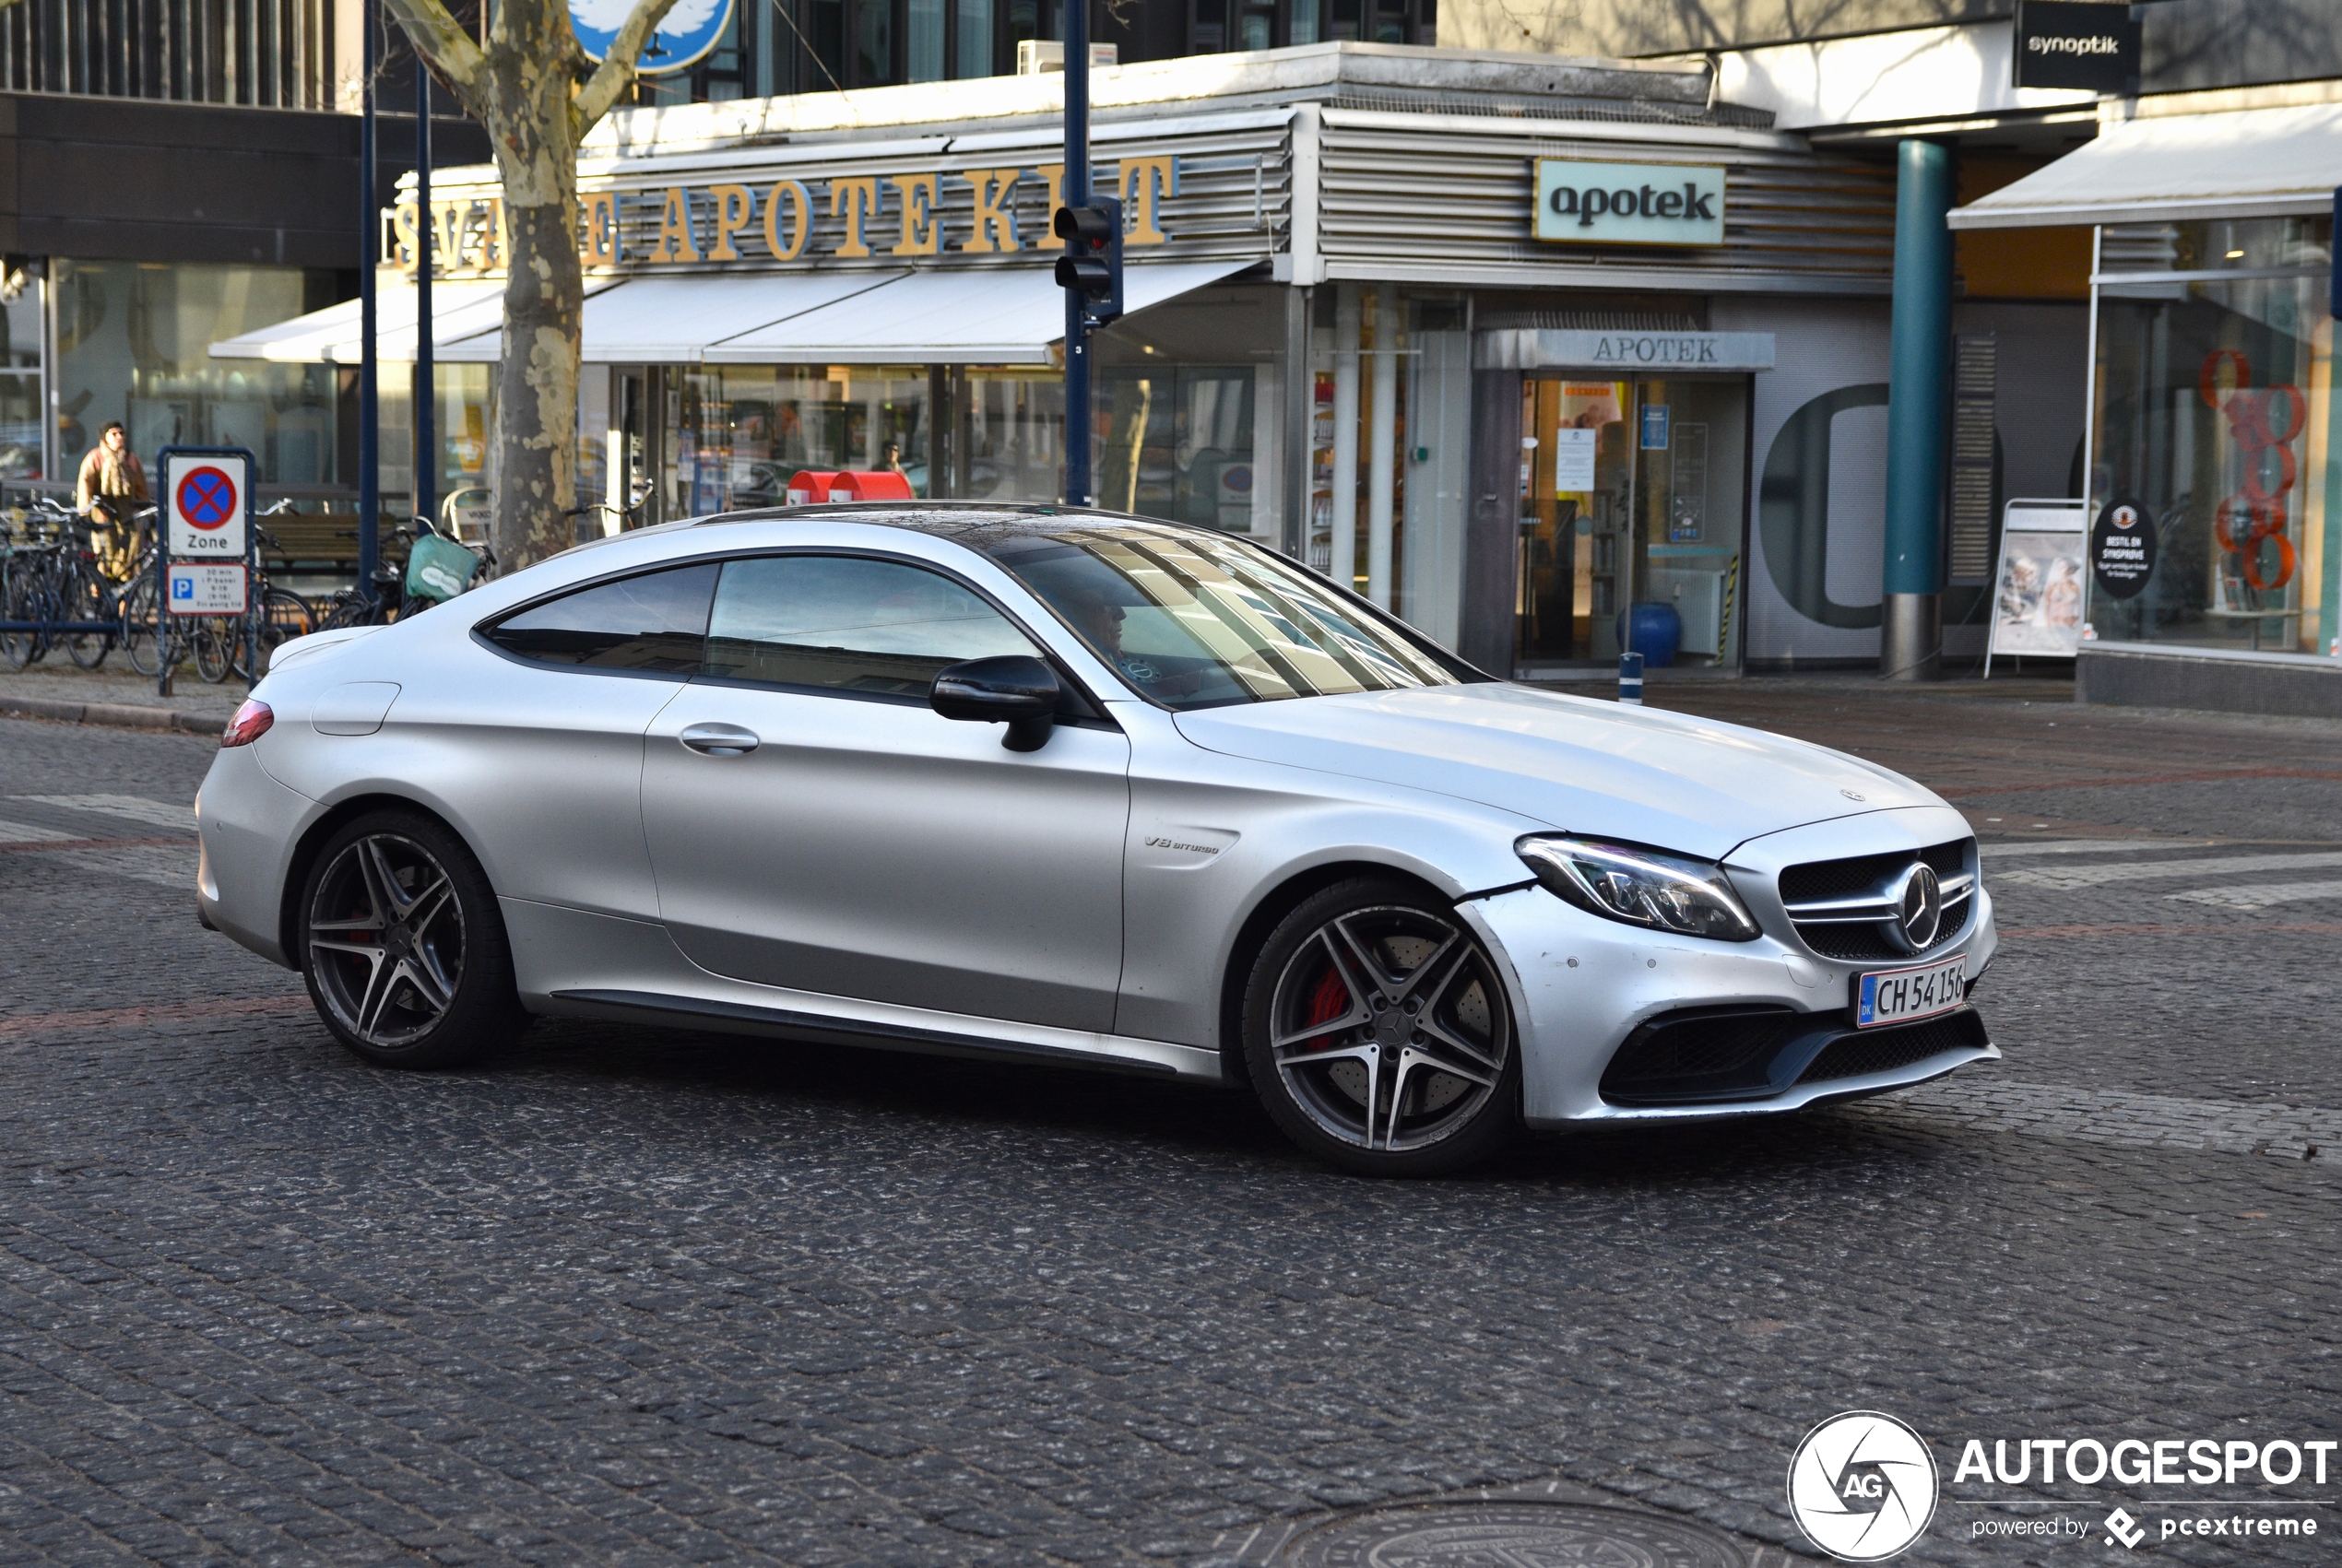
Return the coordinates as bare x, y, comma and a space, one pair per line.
115, 695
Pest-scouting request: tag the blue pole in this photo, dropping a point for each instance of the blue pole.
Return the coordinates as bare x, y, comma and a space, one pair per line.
368, 236
426, 393
1918, 413
1077, 193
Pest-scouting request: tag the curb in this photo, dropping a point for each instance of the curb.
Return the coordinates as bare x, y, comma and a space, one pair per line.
117, 715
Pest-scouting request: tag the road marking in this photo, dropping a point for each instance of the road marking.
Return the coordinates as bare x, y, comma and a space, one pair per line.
2213, 775
19, 832
2262, 895
2090, 846
2031, 933
112, 1019
137, 809
164, 866
2067, 877
2135, 1121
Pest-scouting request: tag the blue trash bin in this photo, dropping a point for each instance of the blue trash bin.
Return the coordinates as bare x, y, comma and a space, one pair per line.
1653, 630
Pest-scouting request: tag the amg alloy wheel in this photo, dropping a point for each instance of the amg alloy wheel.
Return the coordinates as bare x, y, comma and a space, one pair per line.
402, 946
1377, 1034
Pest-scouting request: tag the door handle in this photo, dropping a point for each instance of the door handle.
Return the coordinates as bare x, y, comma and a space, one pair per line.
720, 741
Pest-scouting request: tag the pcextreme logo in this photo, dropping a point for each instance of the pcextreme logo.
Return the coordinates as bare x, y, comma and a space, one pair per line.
1862, 1485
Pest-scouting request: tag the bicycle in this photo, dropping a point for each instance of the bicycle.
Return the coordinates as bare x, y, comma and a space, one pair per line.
435, 573
52, 578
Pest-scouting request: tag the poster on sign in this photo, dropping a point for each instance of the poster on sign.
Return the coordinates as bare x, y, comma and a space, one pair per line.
2037, 594
204, 503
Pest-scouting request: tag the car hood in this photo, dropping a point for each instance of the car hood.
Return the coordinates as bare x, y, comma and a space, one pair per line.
1598, 768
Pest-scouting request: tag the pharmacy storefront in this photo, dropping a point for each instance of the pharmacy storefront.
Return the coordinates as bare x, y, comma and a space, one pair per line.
1494, 351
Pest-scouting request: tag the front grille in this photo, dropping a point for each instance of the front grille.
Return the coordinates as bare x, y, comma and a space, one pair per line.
1900, 1045
1860, 875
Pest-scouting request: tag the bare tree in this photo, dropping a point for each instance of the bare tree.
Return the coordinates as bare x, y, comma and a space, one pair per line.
536, 93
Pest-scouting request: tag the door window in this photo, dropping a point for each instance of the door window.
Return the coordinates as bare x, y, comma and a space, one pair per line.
655, 624
849, 624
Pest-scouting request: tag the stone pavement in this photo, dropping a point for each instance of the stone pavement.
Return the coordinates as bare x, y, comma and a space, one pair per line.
632, 1296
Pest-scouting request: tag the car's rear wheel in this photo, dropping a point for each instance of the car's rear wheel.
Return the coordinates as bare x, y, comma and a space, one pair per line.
1377, 1034
403, 946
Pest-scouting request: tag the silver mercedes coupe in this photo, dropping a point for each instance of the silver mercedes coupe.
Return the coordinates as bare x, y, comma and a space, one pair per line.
1035, 783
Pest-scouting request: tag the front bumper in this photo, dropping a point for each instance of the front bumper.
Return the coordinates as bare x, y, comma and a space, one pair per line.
1582, 987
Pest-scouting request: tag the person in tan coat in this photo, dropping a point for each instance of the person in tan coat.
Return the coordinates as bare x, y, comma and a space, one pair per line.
110, 488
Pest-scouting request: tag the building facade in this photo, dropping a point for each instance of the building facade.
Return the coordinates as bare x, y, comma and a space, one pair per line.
1510, 342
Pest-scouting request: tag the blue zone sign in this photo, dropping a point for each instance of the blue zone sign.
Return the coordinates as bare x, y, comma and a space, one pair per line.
1629, 204
684, 36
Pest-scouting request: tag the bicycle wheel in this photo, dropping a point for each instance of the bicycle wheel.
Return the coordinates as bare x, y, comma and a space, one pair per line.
15, 647
215, 638
141, 626
86, 598
284, 615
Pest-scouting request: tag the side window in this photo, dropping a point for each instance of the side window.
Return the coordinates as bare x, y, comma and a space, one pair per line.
848, 623
656, 623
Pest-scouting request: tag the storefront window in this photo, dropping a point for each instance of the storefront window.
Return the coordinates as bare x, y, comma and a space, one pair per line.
2216, 431
21, 418
1176, 443
134, 343
1012, 432
740, 431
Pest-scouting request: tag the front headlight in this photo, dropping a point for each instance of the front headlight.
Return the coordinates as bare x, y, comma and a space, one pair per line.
1641, 887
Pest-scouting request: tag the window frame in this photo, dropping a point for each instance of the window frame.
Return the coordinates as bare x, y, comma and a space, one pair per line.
1076, 689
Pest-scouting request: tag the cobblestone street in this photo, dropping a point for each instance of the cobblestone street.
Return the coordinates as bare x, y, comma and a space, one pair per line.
642, 1297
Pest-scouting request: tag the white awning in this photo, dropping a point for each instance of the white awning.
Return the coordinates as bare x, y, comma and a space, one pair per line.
1006, 315
996, 316
670, 318
2250, 163
331, 337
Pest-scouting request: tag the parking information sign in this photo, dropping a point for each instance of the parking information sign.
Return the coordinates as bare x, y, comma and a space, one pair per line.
206, 588
204, 495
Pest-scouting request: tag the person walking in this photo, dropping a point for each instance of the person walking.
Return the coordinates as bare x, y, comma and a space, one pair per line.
111, 487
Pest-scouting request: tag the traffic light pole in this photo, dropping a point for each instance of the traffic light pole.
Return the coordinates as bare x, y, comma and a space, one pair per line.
1077, 303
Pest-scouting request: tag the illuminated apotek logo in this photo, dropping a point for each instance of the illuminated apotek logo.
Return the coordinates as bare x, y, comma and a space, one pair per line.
1862, 1485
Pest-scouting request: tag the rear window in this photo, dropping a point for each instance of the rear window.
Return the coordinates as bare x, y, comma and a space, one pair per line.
656, 624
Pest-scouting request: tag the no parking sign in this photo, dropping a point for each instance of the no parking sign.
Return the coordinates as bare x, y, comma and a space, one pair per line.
206, 497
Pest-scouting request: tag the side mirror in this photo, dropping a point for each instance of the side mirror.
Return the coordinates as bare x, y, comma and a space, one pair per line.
1014, 689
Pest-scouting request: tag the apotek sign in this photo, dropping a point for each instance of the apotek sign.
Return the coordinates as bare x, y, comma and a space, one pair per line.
1629, 204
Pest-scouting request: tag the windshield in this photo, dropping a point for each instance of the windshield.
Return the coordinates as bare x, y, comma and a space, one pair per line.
1195, 620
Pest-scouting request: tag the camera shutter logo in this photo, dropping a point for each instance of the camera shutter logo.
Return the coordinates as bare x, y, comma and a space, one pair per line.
1862, 1485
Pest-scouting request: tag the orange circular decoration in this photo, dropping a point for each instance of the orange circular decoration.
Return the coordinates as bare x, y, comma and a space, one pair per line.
2286, 468
2285, 562
2245, 425
2240, 521
2297, 408
2207, 380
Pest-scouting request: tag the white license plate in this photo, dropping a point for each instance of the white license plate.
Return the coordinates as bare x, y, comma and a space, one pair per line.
1898, 996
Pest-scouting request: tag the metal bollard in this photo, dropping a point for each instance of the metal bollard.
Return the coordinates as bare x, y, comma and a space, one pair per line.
1630, 679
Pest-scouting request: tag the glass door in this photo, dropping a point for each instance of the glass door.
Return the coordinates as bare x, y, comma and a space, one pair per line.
1632, 493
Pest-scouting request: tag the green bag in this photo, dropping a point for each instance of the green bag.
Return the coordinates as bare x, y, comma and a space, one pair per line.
438, 569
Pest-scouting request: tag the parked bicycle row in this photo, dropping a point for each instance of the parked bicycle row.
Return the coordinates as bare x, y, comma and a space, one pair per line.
87, 585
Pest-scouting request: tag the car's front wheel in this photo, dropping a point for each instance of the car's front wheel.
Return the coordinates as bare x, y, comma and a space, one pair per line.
403, 946
1377, 1034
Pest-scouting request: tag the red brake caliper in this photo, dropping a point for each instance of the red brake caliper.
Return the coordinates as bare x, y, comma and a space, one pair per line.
1327, 1002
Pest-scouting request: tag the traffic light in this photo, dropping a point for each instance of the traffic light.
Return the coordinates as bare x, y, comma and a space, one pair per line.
1092, 259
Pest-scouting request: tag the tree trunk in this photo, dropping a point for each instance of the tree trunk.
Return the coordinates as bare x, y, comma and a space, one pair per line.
544, 290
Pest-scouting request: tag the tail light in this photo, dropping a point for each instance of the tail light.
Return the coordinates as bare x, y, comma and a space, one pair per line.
252, 722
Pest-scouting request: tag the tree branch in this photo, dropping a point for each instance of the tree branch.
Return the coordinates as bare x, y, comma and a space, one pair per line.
616, 73
439, 39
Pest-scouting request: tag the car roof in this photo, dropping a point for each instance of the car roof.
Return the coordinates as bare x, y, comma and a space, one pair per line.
977, 524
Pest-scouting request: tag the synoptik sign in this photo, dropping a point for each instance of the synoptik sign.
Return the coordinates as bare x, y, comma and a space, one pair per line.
1629, 204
